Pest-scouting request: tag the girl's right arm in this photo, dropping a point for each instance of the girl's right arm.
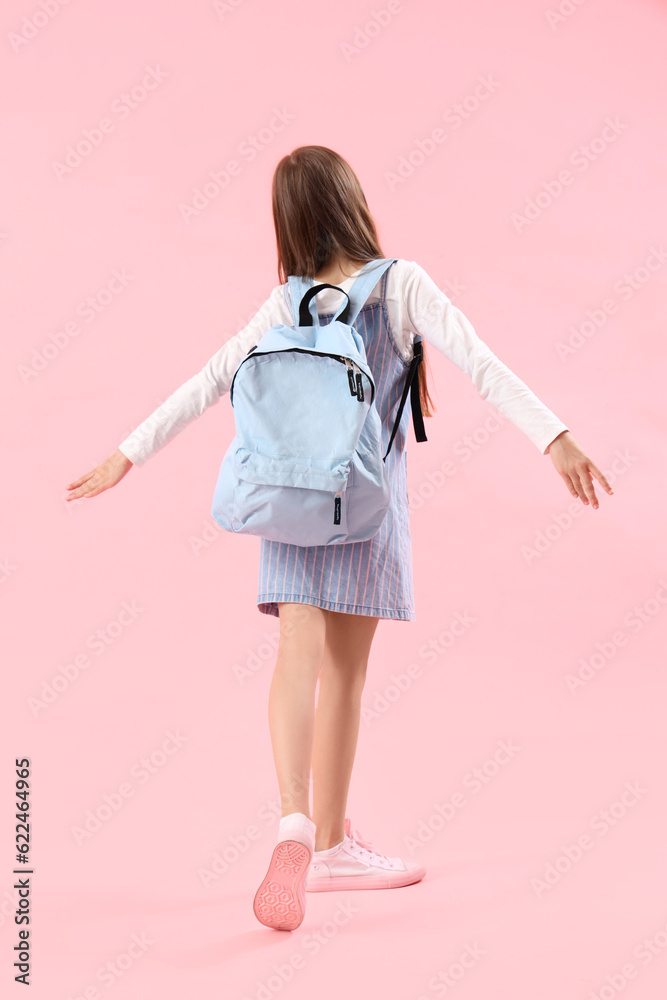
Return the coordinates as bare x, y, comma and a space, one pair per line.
184, 405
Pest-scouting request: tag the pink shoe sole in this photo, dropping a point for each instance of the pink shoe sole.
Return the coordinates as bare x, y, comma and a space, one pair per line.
392, 880
280, 901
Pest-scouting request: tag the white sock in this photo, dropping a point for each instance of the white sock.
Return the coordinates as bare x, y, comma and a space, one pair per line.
329, 850
296, 821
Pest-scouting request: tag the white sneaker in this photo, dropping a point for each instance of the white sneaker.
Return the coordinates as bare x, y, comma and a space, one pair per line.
356, 864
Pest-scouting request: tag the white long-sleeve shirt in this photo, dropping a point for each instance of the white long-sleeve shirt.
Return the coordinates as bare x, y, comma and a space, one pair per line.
415, 304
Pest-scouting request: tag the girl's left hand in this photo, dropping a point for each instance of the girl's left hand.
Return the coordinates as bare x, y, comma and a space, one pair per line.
576, 469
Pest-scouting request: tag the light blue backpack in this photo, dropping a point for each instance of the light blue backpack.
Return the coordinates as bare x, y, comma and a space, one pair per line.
306, 465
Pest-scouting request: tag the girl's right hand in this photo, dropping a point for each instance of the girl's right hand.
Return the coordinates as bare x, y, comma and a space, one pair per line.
103, 477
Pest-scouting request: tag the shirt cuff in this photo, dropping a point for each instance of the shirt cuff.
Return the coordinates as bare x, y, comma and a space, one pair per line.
131, 451
544, 447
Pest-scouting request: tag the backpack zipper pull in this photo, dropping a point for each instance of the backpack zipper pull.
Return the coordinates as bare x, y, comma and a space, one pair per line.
360, 388
350, 376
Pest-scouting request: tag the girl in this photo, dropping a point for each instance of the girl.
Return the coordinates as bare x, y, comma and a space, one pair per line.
329, 599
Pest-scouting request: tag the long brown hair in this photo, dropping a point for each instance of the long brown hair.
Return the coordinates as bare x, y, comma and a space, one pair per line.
320, 213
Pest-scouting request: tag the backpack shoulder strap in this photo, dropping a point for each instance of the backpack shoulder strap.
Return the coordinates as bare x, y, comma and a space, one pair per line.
297, 289
361, 288
364, 284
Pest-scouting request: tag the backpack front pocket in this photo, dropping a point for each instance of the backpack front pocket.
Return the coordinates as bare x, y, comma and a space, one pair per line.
287, 500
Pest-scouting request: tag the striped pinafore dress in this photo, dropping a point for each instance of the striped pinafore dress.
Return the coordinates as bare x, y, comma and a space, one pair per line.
373, 577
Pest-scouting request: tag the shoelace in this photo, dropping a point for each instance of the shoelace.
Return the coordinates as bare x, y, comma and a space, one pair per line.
367, 845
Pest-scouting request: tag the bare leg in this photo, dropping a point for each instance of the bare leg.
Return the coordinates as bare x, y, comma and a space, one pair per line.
347, 648
292, 700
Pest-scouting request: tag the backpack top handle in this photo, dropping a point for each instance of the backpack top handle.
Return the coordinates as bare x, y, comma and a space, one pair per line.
361, 288
306, 316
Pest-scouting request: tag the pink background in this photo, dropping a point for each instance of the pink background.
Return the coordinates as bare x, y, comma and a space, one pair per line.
594, 589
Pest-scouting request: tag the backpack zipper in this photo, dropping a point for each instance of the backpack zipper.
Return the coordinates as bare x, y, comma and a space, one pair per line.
350, 365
